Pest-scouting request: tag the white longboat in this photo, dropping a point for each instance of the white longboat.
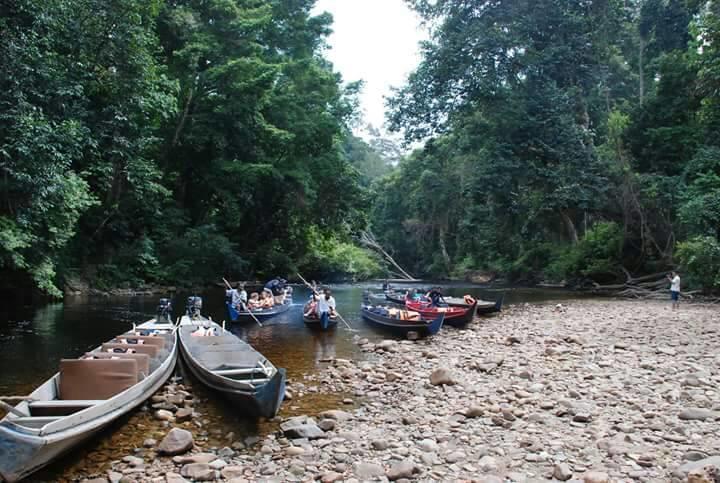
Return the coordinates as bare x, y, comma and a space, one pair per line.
85, 396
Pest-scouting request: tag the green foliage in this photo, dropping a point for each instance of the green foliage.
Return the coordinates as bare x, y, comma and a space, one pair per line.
130, 130
329, 257
700, 260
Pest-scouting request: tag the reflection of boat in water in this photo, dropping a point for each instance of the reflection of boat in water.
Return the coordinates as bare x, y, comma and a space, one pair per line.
229, 365
85, 396
324, 346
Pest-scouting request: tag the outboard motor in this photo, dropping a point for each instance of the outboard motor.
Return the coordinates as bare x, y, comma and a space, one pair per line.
194, 306
164, 311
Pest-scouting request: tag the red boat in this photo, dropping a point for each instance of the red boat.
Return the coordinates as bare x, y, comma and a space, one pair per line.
455, 316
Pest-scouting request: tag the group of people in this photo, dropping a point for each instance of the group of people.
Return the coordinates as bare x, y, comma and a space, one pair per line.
321, 305
273, 293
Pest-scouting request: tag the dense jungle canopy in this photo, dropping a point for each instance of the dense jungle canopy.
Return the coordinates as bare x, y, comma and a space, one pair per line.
177, 141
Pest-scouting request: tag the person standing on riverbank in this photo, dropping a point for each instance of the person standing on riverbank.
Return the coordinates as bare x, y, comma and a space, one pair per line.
325, 308
674, 278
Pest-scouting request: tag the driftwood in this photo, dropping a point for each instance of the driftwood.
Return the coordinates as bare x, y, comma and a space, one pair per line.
652, 286
369, 240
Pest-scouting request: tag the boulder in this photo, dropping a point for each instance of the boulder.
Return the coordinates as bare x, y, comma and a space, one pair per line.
596, 477
562, 472
335, 414
309, 431
183, 414
403, 469
693, 466
177, 441
697, 414
198, 472
442, 377
367, 471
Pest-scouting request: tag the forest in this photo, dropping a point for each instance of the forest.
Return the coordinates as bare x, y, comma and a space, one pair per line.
173, 142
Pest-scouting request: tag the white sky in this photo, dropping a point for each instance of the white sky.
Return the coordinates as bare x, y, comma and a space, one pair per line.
375, 41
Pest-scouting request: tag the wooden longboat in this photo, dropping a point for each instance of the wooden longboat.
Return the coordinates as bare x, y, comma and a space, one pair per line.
422, 326
313, 321
455, 316
232, 367
85, 396
483, 307
239, 315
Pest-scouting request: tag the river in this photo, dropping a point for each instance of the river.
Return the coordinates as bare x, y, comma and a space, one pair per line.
33, 339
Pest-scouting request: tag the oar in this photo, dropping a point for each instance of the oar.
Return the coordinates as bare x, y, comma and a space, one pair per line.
242, 304
336, 311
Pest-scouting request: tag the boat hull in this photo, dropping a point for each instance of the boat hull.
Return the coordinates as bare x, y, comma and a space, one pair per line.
254, 401
244, 316
314, 323
455, 319
402, 327
22, 452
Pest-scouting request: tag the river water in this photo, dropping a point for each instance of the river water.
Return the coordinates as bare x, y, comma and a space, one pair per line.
33, 339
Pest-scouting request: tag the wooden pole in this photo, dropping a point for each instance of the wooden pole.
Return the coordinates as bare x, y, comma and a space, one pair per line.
242, 304
336, 311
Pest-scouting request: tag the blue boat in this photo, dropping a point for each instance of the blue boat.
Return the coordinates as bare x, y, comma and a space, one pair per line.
383, 317
227, 364
240, 315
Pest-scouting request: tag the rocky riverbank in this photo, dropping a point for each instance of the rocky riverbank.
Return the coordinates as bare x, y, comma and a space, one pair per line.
592, 391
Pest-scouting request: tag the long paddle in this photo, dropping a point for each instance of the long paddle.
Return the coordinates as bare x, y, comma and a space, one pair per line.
242, 304
336, 311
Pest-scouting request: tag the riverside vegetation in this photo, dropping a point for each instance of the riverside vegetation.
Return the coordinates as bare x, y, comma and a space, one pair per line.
587, 391
172, 142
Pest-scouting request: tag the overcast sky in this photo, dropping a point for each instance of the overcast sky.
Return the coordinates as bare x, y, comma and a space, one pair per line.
375, 41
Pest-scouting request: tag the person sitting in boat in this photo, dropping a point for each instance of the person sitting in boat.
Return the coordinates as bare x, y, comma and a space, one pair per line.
276, 286
436, 297
311, 307
386, 286
266, 300
254, 302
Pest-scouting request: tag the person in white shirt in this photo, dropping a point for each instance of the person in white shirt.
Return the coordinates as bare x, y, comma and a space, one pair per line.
674, 278
325, 308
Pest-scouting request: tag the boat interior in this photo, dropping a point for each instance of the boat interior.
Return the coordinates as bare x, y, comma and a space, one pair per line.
226, 355
95, 377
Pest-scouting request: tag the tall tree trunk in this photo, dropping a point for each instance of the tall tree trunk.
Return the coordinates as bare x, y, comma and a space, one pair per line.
443, 248
570, 226
641, 70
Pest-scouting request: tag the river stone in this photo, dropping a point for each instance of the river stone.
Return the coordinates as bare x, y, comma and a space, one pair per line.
331, 477
163, 415
336, 414
194, 458
198, 472
699, 414
174, 478
183, 414
691, 466
403, 469
294, 451
488, 464
177, 441
309, 431
230, 472
442, 376
474, 411
596, 477
327, 424
562, 472
366, 471
380, 444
